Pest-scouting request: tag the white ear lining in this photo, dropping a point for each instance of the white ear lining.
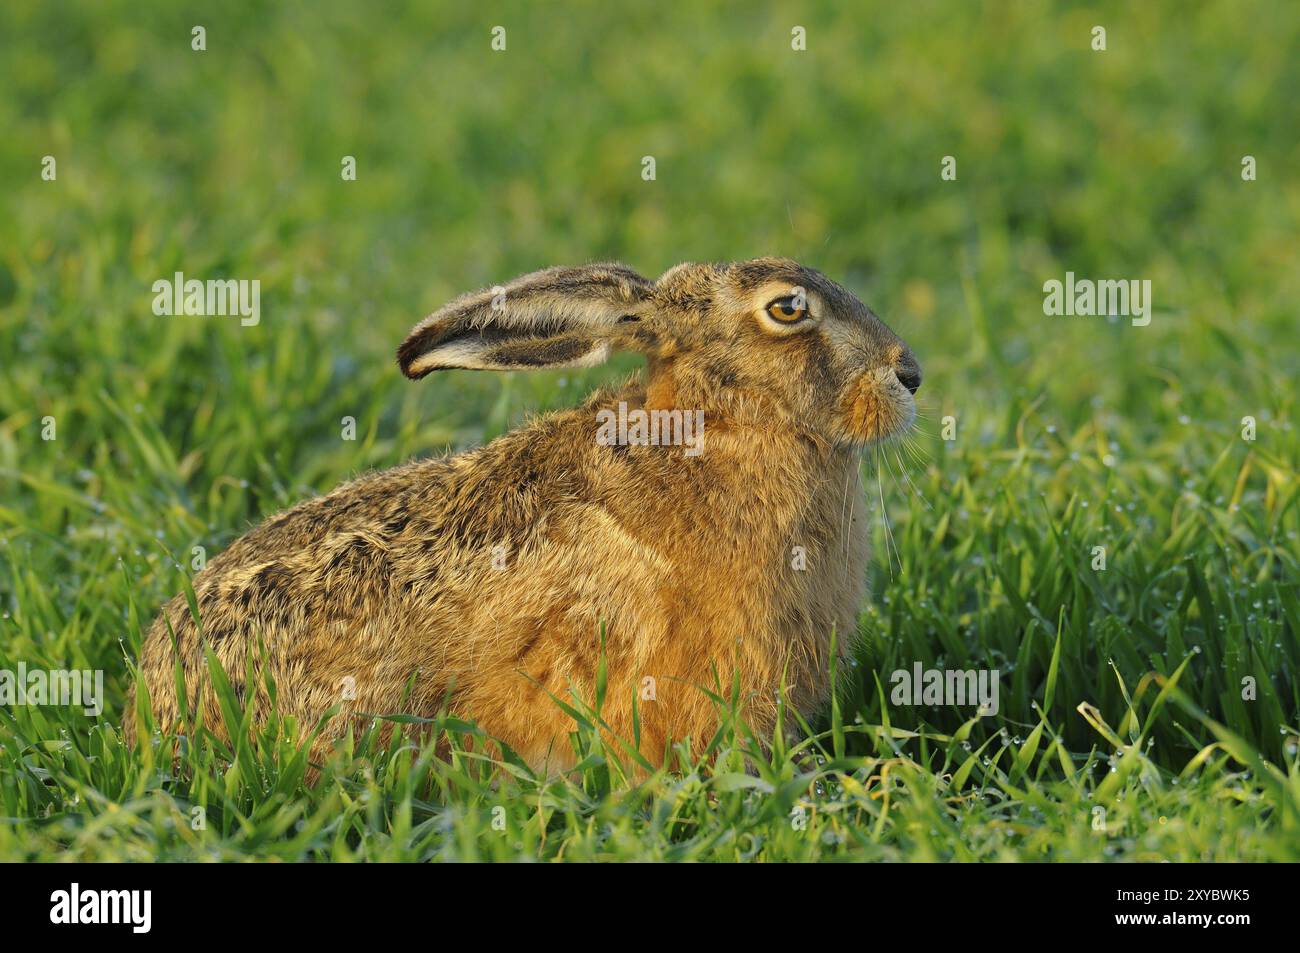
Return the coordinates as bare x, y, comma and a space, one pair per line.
597, 355
469, 353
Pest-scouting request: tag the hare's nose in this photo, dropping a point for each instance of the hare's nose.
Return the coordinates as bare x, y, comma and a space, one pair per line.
908, 373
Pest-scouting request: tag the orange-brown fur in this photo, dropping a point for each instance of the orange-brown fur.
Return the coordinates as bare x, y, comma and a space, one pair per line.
688, 560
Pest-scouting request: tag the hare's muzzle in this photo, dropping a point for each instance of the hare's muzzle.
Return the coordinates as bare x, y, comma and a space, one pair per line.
878, 402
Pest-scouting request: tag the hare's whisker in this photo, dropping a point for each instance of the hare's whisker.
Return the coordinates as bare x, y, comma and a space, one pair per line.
884, 515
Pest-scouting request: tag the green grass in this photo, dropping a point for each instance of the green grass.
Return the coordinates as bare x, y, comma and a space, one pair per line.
1121, 689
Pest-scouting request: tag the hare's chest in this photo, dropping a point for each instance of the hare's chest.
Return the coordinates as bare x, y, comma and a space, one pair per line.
802, 575
829, 542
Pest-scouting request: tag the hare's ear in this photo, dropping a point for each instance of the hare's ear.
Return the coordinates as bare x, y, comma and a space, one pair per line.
560, 317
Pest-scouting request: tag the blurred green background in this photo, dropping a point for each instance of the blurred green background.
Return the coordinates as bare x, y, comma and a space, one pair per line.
475, 165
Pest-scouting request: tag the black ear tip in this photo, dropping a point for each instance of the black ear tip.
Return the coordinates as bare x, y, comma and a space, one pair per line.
416, 376
406, 355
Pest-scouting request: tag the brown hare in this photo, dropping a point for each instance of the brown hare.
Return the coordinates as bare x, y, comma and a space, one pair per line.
481, 580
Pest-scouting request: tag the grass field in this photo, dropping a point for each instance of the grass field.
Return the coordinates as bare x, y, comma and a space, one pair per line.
1127, 729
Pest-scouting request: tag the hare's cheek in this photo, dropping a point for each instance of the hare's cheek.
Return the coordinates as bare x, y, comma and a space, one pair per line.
875, 406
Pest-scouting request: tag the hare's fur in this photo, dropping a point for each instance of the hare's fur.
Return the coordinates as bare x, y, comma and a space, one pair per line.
487, 575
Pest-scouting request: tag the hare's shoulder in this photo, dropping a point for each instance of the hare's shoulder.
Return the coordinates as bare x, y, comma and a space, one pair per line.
375, 504
464, 499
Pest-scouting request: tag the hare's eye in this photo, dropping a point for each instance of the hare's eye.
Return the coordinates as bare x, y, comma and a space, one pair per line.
788, 310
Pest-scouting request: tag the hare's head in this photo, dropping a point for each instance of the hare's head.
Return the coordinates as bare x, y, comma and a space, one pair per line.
770, 336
